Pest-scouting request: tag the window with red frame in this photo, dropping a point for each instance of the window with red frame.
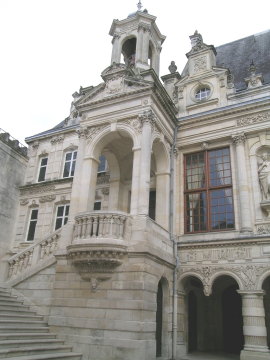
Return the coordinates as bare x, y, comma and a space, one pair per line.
208, 191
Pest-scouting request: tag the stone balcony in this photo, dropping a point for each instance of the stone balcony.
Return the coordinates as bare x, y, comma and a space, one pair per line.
98, 242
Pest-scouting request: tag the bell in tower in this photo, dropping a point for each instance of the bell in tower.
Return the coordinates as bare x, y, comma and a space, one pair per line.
138, 39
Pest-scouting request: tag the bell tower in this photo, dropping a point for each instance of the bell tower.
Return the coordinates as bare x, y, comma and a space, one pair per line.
138, 39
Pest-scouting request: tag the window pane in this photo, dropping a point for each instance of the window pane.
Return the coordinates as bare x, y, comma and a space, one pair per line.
102, 164
72, 168
196, 212
66, 169
42, 173
60, 211
31, 231
195, 171
67, 210
58, 223
97, 205
34, 214
220, 167
221, 209
75, 155
68, 156
44, 161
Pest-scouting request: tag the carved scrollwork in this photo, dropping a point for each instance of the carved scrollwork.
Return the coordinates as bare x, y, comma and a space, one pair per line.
47, 198
200, 64
136, 125
57, 139
253, 119
148, 117
239, 138
248, 274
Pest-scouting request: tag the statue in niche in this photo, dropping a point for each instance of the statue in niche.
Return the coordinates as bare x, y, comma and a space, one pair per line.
264, 176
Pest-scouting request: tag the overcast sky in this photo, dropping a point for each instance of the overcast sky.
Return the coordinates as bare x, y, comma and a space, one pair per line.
49, 48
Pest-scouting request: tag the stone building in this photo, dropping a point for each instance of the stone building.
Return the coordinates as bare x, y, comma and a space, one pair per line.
158, 243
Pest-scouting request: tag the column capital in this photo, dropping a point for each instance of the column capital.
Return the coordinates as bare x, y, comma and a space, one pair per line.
239, 138
82, 132
148, 117
116, 36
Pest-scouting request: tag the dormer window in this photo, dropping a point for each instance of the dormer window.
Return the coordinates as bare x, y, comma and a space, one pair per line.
202, 93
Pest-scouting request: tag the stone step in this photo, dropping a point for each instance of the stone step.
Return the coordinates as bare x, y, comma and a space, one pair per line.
28, 317
10, 299
62, 356
6, 295
26, 336
23, 323
4, 329
29, 342
15, 304
45, 349
13, 310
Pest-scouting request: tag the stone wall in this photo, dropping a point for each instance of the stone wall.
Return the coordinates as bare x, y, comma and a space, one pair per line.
13, 165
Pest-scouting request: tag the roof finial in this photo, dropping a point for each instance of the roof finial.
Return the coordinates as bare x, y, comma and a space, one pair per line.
139, 5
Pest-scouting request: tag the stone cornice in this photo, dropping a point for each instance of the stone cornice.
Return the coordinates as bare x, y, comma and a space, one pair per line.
255, 240
45, 184
51, 133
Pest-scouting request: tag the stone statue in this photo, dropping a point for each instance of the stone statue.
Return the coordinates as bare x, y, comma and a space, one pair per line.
264, 176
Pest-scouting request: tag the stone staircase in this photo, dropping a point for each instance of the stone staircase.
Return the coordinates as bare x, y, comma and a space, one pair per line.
25, 335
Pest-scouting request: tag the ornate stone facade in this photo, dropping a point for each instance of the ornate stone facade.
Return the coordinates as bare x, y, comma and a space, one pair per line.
154, 200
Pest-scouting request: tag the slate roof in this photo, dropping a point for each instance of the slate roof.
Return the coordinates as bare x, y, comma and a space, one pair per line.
238, 55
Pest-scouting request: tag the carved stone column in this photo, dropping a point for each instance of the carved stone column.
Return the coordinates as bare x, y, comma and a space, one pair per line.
139, 44
147, 119
145, 47
255, 332
162, 196
84, 183
245, 217
116, 51
181, 319
135, 181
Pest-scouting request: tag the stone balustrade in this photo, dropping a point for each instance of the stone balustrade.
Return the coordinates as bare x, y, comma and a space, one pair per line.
100, 224
33, 255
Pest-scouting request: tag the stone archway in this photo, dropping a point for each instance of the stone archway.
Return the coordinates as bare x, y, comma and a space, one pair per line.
162, 318
214, 322
266, 300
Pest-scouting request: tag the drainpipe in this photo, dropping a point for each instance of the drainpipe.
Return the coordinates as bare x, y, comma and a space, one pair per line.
174, 243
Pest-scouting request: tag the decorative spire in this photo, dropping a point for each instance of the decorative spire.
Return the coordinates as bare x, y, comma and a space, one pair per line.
252, 68
139, 5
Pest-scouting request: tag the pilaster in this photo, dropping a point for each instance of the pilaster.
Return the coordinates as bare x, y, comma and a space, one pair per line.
147, 119
245, 216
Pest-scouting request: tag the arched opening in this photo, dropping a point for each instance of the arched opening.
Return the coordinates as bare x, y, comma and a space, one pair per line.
114, 172
161, 334
232, 320
192, 322
159, 316
129, 51
266, 300
214, 323
227, 322
195, 314
159, 184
